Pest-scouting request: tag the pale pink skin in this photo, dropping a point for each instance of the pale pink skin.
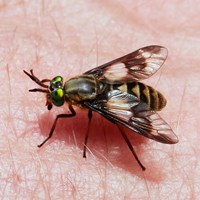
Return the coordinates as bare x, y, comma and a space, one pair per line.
67, 39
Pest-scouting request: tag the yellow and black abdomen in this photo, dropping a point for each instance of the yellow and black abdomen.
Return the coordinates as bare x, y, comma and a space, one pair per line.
146, 94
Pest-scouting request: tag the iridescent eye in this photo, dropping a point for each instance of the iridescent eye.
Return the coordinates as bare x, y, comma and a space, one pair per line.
56, 80
56, 91
57, 97
55, 83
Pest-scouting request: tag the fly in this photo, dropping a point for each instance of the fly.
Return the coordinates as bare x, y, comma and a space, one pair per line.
113, 90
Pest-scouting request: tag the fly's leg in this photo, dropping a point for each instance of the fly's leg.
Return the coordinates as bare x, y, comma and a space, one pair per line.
130, 147
72, 114
87, 133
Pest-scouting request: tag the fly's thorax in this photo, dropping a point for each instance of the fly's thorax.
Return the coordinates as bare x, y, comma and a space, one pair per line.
82, 88
148, 95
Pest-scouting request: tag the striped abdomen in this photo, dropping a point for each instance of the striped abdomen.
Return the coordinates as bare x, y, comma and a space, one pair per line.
154, 99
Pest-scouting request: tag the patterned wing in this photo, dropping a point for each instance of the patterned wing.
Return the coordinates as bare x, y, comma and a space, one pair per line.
135, 66
121, 107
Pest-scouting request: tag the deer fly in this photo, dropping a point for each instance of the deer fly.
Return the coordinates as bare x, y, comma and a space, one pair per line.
113, 90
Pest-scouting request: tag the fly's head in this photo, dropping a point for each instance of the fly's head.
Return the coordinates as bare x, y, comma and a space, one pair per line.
54, 91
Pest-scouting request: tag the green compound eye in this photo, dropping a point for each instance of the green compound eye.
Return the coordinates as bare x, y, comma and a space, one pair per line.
57, 97
56, 80
56, 91
56, 83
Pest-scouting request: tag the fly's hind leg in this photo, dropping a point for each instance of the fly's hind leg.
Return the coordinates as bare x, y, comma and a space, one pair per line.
87, 133
72, 114
130, 147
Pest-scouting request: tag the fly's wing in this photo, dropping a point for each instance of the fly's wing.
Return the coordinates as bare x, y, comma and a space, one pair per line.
135, 66
122, 108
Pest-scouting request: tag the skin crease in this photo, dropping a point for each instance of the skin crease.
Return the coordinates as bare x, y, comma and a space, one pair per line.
67, 39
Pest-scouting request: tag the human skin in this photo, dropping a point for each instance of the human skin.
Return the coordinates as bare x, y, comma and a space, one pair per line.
68, 38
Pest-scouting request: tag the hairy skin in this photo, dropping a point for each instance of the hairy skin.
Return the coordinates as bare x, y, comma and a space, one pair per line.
68, 39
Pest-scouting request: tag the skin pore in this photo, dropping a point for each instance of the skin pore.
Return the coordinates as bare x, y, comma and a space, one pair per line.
67, 39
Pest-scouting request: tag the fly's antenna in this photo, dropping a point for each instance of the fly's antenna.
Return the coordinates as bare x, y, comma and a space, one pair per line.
39, 82
35, 79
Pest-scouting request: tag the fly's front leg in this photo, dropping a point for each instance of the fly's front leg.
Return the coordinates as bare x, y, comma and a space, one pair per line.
72, 114
87, 133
